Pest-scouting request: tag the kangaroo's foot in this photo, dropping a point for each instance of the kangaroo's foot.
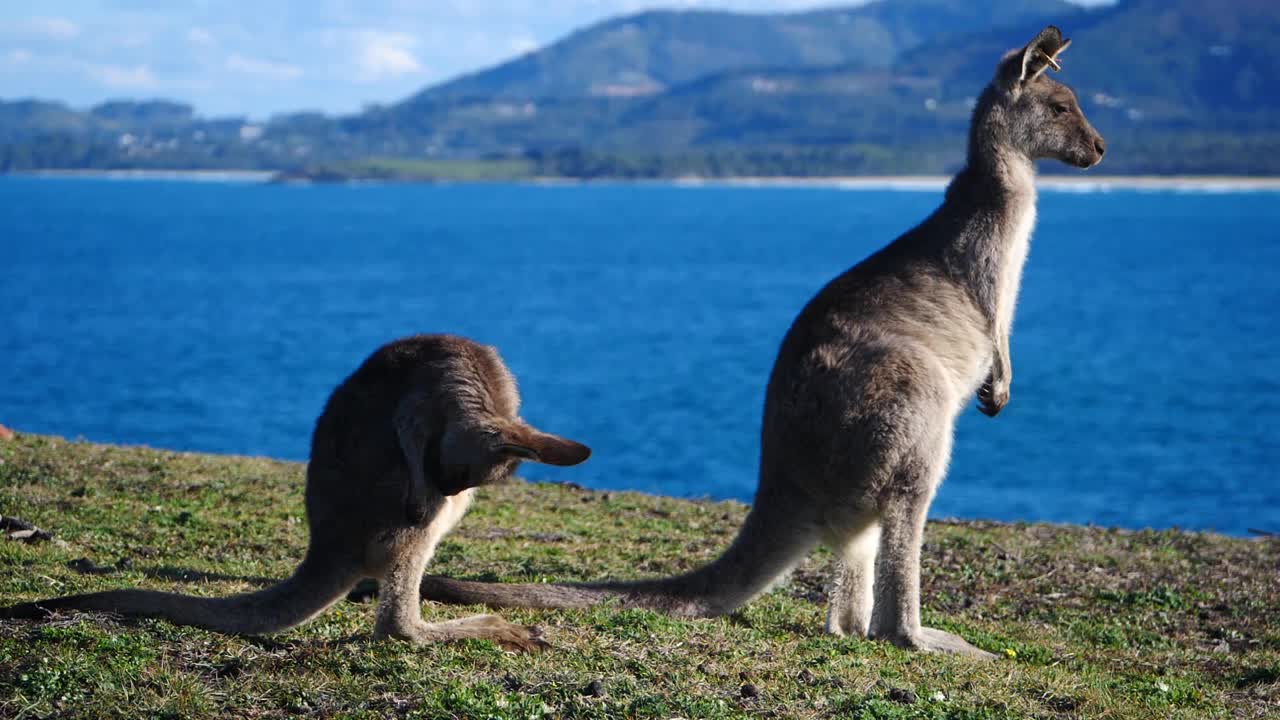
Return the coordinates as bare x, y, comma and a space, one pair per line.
509, 636
938, 641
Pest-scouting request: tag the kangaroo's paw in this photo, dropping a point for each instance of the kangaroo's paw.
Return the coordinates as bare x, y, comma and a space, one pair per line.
931, 640
509, 636
520, 638
938, 641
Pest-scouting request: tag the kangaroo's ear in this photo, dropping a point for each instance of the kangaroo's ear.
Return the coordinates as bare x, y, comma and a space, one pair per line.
1022, 66
529, 444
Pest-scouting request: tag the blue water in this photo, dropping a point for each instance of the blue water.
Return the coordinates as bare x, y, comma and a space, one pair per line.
643, 321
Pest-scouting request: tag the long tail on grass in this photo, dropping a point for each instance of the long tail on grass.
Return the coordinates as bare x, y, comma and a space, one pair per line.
312, 588
764, 550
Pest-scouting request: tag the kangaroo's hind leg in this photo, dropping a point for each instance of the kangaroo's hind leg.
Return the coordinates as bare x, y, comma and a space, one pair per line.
896, 613
399, 613
851, 589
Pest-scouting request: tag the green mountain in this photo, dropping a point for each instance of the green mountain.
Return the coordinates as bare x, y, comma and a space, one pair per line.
1184, 86
1173, 61
648, 53
667, 81
1177, 86
21, 119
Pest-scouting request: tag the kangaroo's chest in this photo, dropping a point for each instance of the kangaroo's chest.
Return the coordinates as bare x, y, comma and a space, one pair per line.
1018, 228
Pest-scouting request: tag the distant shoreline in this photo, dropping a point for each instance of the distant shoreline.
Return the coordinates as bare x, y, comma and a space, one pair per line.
922, 183
248, 176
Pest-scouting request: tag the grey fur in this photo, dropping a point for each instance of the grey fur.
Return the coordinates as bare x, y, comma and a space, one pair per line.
395, 458
868, 382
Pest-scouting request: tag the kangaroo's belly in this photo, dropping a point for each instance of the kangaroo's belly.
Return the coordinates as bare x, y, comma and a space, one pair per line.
942, 335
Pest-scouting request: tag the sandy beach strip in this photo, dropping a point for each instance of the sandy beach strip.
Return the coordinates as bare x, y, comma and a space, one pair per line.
1051, 183
246, 176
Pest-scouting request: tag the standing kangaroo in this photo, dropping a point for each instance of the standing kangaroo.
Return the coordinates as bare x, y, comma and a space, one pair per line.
395, 458
868, 382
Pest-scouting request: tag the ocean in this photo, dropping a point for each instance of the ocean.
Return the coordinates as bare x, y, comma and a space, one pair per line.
643, 320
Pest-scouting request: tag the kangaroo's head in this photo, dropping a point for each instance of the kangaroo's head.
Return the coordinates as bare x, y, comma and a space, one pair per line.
482, 454
486, 439
1035, 114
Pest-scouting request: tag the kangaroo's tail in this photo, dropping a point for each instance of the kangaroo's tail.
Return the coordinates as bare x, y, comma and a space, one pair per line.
766, 548
312, 588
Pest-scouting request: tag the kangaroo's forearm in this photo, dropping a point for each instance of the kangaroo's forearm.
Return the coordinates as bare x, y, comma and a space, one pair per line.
994, 393
1001, 365
414, 435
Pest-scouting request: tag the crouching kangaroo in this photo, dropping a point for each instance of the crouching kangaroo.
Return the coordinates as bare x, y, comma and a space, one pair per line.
868, 382
395, 458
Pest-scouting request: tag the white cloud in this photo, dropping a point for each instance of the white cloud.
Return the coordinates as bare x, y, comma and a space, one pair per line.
54, 28
523, 43
262, 68
126, 77
385, 54
18, 56
131, 38
200, 36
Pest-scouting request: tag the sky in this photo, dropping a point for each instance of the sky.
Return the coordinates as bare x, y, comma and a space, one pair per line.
238, 57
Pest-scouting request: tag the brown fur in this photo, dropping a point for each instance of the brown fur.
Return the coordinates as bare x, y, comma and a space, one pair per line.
864, 393
395, 458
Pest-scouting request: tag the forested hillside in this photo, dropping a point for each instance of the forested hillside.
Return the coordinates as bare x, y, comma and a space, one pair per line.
1177, 86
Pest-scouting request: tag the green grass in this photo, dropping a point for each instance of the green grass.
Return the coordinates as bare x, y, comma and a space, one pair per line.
1092, 622
479, 170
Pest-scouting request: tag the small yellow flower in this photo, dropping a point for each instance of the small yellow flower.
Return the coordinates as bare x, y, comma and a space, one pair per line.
1010, 652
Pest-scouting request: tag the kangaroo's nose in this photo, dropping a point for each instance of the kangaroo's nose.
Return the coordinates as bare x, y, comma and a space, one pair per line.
1101, 146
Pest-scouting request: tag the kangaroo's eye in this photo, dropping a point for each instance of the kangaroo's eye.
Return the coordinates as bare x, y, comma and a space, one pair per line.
1061, 109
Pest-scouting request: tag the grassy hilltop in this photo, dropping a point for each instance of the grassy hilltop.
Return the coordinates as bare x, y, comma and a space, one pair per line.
1092, 622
